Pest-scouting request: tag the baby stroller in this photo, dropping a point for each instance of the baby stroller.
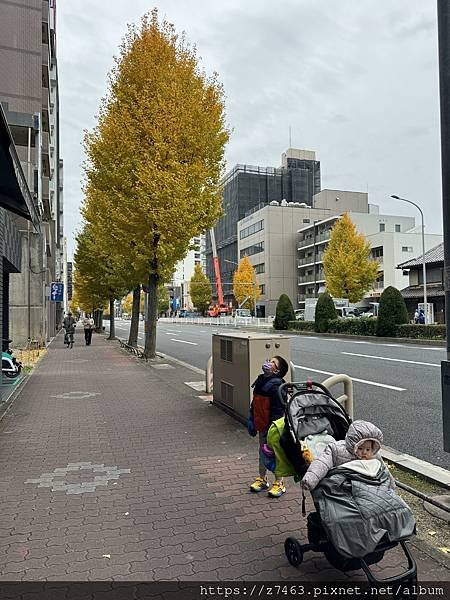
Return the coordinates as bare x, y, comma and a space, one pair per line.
310, 410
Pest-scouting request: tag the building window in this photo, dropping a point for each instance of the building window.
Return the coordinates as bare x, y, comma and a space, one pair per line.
407, 249
306, 220
259, 268
377, 252
382, 227
196, 255
255, 249
251, 229
397, 229
262, 288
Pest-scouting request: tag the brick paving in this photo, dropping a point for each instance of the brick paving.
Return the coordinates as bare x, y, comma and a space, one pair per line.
113, 469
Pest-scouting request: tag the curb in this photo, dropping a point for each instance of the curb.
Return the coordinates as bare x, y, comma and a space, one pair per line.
6, 404
418, 467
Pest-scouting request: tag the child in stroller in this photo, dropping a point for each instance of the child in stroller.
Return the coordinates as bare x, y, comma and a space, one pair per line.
362, 442
359, 517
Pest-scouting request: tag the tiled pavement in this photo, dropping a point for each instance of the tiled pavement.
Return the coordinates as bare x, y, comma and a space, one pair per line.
115, 469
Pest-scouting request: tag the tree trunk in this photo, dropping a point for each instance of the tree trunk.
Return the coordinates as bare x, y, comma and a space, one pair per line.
112, 329
151, 317
134, 327
98, 319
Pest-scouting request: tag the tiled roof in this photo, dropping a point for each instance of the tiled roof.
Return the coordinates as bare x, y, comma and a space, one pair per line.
416, 291
435, 255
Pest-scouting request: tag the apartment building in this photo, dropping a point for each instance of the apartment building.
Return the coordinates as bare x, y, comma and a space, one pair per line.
394, 239
16, 211
29, 97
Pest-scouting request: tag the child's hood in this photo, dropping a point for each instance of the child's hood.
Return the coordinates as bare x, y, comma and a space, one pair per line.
360, 431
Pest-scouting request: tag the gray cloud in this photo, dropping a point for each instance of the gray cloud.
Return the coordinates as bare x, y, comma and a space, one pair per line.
357, 81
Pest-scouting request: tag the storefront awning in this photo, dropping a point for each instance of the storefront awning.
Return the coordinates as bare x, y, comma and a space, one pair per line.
14, 193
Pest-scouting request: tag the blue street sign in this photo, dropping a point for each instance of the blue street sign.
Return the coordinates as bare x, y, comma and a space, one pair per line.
56, 291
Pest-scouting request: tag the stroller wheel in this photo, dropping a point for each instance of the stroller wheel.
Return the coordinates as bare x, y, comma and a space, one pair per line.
294, 552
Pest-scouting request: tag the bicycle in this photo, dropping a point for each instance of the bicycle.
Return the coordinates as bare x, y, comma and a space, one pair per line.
68, 339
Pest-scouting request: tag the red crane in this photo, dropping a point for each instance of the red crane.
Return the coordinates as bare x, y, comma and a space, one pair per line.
220, 307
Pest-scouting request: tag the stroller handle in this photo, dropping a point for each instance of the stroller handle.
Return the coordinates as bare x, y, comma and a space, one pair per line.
289, 387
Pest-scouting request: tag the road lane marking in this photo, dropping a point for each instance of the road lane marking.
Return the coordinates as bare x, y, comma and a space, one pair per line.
411, 362
183, 342
383, 385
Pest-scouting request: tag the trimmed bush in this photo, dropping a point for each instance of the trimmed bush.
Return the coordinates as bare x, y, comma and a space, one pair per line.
325, 312
302, 325
359, 326
418, 332
284, 313
391, 312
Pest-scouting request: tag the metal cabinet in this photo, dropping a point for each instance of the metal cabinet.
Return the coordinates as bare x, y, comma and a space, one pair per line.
237, 361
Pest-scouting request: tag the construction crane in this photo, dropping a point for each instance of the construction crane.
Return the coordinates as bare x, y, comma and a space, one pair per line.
219, 308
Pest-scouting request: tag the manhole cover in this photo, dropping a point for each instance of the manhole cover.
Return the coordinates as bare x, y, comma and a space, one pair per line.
62, 479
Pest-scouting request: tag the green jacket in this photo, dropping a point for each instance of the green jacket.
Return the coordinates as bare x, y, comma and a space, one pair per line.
283, 467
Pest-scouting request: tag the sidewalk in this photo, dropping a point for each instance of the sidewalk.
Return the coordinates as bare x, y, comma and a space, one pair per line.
116, 469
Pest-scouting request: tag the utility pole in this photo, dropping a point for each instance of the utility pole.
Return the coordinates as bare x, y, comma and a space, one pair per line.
443, 10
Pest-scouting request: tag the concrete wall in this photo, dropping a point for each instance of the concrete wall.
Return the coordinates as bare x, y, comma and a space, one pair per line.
339, 201
279, 257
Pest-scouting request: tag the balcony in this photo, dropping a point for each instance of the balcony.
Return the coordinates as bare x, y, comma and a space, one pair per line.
46, 199
309, 241
45, 55
45, 11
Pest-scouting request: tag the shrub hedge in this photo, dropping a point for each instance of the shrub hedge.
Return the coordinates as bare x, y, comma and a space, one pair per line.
325, 312
368, 326
284, 313
302, 325
421, 332
359, 326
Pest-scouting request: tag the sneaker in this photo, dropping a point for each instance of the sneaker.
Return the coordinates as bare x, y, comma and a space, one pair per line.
259, 485
277, 490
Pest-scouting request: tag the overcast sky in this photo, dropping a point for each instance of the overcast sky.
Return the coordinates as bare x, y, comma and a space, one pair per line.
357, 81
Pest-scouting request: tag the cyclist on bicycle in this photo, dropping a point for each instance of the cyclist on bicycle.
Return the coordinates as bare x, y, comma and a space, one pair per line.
69, 327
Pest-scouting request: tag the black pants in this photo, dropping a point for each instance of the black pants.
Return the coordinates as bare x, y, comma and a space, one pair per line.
88, 336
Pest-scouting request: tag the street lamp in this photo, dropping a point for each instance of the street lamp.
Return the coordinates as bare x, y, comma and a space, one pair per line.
425, 302
232, 262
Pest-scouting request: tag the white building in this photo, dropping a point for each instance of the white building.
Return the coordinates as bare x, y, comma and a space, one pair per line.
185, 269
394, 239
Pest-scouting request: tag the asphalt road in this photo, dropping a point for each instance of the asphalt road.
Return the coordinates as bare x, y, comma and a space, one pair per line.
396, 386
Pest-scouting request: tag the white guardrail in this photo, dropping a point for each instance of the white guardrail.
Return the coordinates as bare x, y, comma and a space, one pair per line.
219, 321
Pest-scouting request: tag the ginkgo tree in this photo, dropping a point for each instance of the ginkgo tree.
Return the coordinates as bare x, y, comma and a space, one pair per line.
245, 287
155, 158
349, 270
200, 290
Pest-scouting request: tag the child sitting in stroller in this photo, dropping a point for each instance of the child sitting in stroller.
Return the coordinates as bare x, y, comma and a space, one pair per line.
362, 442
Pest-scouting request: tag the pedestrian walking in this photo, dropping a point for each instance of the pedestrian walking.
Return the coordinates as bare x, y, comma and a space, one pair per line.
421, 317
265, 408
416, 316
88, 324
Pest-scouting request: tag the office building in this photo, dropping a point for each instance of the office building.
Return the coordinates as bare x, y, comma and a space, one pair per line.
249, 188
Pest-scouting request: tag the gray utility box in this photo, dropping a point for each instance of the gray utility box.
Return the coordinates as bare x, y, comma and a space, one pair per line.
237, 362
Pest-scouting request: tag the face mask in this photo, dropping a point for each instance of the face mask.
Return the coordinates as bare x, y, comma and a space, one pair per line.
267, 368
